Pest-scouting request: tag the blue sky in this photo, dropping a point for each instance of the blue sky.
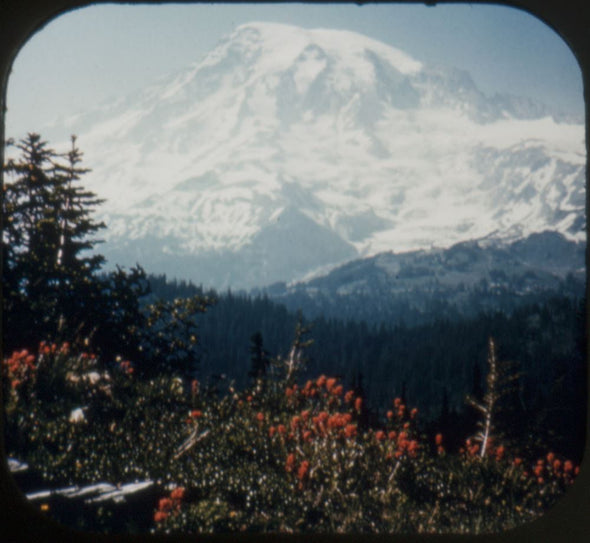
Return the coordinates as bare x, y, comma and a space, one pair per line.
98, 52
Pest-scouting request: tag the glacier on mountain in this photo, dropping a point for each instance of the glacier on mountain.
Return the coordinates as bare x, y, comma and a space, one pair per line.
285, 150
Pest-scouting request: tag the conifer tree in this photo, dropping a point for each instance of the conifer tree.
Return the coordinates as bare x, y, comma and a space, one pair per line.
46, 224
259, 357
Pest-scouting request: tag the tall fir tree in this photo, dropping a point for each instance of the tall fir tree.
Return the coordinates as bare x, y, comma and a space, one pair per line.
46, 224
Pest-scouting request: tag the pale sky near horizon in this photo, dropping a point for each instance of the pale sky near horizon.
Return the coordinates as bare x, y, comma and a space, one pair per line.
99, 52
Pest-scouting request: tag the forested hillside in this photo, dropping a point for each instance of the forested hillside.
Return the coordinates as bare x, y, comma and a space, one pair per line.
429, 364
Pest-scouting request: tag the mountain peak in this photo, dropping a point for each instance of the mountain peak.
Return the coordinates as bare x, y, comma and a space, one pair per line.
287, 42
369, 150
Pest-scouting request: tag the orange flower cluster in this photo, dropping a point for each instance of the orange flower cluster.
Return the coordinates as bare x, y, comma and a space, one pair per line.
438, 441
554, 468
170, 505
306, 427
471, 448
290, 463
47, 349
302, 472
406, 446
20, 366
401, 408
327, 387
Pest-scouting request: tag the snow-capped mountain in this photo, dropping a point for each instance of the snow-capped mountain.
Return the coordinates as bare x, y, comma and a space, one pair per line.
286, 150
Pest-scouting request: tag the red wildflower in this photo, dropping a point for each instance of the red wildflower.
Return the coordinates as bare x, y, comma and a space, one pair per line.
290, 464
330, 383
307, 435
500, 452
249, 399
358, 404
271, 431
380, 435
337, 391
413, 447
334, 421
15, 383
303, 470
321, 381
406, 425
349, 396
165, 504
397, 402
550, 457
392, 435
177, 493
390, 414
568, 466
281, 429
517, 461
438, 439
538, 470
196, 414
160, 516
295, 422
305, 415
556, 465
260, 416
413, 413
350, 430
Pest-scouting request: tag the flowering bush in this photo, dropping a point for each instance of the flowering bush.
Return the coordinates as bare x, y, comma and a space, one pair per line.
281, 456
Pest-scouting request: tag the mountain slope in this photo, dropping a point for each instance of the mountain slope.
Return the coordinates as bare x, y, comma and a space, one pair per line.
354, 142
459, 281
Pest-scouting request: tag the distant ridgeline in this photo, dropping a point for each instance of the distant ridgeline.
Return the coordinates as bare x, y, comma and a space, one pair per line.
417, 325
419, 286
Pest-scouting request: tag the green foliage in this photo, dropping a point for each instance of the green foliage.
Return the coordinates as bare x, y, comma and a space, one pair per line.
170, 334
285, 457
